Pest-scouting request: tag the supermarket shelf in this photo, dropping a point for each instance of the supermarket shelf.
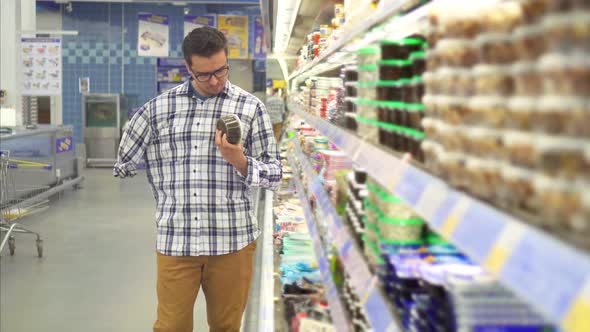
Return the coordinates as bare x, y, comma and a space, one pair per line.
336, 308
266, 311
378, 310
387, 9
546, 272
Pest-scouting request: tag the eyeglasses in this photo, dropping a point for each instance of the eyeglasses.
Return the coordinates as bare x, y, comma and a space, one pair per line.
219, 73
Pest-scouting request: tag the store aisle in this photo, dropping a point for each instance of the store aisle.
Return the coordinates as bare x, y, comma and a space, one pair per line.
98, 273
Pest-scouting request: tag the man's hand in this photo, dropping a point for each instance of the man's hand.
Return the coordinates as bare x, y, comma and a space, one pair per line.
232, 153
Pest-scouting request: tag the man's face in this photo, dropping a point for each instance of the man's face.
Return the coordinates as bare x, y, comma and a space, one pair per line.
201, 66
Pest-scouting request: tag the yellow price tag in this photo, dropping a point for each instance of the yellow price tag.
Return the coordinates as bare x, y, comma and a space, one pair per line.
510, 236
449, 226
578, 317
496, 260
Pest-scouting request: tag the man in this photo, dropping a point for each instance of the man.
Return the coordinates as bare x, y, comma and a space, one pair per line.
206, 229
276, 109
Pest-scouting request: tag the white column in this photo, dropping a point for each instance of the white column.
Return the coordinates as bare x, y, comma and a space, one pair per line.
10, 70
28, 16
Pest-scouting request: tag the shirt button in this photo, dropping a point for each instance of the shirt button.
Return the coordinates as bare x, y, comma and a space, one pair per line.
194, 171
195, 194
195, 146
196, 218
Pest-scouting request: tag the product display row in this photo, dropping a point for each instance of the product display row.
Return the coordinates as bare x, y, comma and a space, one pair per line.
425, 280
471, 116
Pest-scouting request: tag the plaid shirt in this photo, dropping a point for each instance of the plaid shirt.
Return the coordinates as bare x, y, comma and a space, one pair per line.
204, 205
276, 108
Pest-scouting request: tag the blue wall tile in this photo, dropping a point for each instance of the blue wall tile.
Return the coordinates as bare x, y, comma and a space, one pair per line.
105, 50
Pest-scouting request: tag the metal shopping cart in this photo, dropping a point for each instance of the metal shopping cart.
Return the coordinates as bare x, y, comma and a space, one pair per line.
11, 201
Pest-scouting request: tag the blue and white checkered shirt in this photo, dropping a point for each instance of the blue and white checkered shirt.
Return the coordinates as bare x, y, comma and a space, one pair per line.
204, 205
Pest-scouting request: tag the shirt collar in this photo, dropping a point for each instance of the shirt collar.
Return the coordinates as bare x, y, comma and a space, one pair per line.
189, 90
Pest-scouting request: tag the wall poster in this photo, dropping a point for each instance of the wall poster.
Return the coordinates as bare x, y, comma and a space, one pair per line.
235, 29
153, 35
193, 22
259, 41
41, 66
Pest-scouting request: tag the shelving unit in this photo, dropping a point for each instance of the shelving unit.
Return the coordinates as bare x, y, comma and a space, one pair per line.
546, 272
379, 311
336, 309
550, 274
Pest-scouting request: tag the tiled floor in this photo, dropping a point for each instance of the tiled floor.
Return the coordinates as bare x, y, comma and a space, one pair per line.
98, 272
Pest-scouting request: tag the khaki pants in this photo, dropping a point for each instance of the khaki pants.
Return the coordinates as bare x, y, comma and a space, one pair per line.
226, 283
276, 128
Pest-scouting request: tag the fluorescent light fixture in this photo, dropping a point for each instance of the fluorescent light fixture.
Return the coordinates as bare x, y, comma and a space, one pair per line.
286, 14
284, 68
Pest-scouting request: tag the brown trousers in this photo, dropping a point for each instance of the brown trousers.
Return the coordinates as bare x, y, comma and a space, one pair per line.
225, 280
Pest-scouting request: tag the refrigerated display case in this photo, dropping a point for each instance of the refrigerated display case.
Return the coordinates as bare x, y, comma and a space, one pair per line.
103, 118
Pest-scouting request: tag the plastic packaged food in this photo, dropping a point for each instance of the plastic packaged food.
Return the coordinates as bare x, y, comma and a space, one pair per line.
566, 75
530, 42
533, 10
368, 132
431, 151
391, 90
568, 32
368, 55
453, 110
366, 109
489, 111
568, 5
496, 48
462, 83
400, 229
415, 114
367, 90
555, 156
392, 70
516, 188
445, 81
351, 73
418, 60
503, 17
417, 88
452, 166
401, 49
522, 112
457, 52
368, 72
563, 115
528, 80
520, 148
493, 80
431, 83
447, 137
433, 60
558, 201
482, 142
429, 105
484, 177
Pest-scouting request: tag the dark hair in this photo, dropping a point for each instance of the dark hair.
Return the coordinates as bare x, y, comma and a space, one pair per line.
204, 41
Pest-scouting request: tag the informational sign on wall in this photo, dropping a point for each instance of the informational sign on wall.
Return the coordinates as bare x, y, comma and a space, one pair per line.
171, 72
193, 22
259, 43
153, 35
235, 29
41, 66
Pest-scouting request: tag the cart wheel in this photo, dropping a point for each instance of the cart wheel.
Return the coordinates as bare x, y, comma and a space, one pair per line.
40, 248
11, 245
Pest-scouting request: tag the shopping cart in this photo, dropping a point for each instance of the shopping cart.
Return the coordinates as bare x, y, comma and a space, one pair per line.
11, 201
